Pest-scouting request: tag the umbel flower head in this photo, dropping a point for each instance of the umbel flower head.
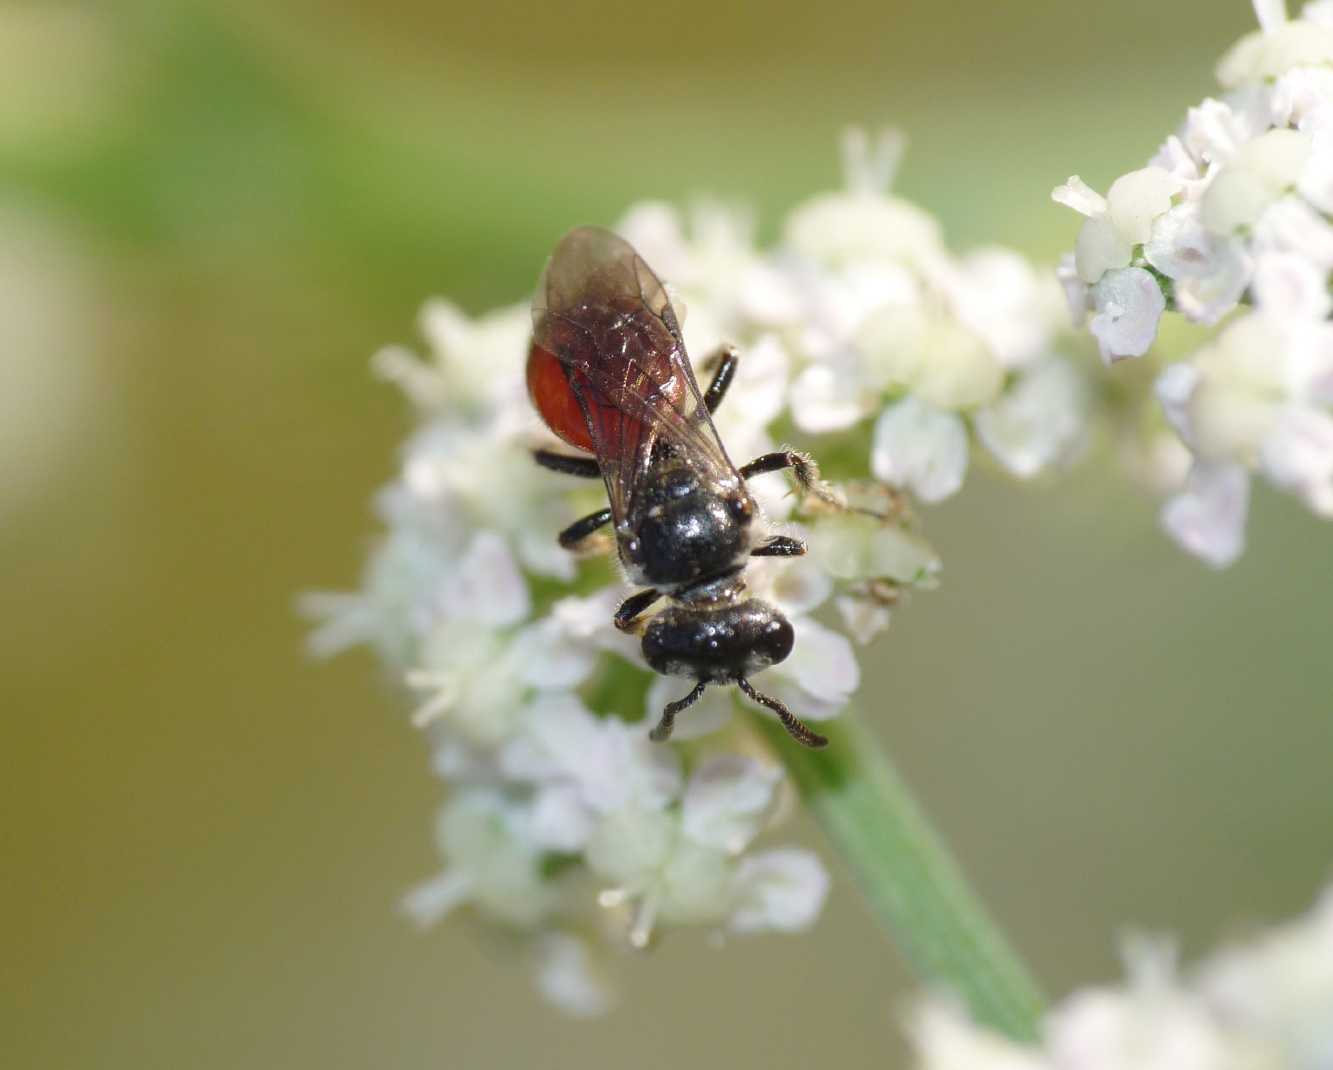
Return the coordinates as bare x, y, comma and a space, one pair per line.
1265, 1005
1229, 224
563, 823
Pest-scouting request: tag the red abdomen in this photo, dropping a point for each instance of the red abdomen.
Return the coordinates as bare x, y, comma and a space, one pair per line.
548, 386
622, 362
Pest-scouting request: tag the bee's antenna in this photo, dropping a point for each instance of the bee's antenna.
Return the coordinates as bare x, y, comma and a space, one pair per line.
662, 732
796, 728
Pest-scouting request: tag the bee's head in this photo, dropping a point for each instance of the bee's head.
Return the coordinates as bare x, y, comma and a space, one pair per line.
718, 643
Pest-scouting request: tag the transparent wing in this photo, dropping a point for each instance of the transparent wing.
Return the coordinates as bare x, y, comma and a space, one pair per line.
607, 318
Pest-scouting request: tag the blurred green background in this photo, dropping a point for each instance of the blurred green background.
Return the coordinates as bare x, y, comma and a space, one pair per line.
212, 213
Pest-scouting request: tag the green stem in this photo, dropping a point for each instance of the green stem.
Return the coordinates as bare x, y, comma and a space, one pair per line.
908, 876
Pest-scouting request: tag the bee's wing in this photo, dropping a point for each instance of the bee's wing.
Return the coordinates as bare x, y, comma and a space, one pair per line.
607, 318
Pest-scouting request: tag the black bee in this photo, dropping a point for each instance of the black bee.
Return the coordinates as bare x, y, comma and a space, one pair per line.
608, 372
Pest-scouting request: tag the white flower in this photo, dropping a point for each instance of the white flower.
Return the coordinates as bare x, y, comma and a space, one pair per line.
1297, 455
1207, 518
728, 801
459, 346
1316, 184
1074, 288
608, 764
1214, 131
1267, 1005
855, 546
1290, 225
527, 693
862, 618
487, 586
1279, 46
1302, 98
568, 977
1151, 1026
1260, 172
935, 357
397, 605
1005, 302
1288, 286
760, 386
1247, 222
1081, 197
782, 890
1239, 389
946, 1040
1039, 421
1101, 248
1175, 389
819, 676
1118, 222
862, 225
1280, 988
490, 861
681, 864
920, 447
1210, 271
1136, 199
451, 475
827, 398
1128, 304
1271, 14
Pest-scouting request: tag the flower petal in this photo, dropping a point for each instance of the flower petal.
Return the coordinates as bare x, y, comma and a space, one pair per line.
728, 800
780, 890
567, 977
920, 447
1129, 304
1038, 421
1207, 518
1081, 197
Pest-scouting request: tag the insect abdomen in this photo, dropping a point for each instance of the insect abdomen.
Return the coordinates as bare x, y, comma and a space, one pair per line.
553, 397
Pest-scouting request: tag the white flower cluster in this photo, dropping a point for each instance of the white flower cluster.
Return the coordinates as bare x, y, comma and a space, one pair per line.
563, 821
864, 314
1264, 1006
1234, 209
564, 824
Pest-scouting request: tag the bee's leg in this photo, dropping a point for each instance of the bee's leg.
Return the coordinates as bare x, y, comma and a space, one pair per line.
803, 468
581, 529
780, 546
586, 467
796, 728
628, 613
662, 732
725, 359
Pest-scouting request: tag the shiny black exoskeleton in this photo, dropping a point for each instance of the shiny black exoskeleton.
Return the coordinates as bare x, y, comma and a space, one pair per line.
608, 373
688, 538
717, 644
682, 530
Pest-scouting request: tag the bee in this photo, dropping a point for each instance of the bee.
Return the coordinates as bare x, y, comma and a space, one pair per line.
608, 373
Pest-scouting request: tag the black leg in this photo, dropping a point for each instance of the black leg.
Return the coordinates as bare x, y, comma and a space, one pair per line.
586, 467
796, 728
662, 732
803, 467
726, 359
780, 546
581, 529
635, 604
